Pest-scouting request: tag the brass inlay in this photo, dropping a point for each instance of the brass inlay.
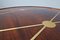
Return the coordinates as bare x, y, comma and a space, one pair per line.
19, 27
49, 24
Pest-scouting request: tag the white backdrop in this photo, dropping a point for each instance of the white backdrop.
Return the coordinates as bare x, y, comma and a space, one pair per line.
48, 3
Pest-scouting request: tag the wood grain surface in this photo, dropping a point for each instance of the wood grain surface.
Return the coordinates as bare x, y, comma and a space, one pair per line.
24, 16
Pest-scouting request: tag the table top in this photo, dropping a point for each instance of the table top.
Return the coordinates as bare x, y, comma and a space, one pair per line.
28, 15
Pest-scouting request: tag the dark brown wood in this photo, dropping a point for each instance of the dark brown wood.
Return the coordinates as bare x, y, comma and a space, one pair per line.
23, 16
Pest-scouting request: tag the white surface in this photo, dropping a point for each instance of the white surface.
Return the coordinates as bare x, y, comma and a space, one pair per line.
48, 3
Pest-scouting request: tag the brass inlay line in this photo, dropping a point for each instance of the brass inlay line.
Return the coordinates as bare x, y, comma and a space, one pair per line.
55, 16
19, 27
37, 33
57, 22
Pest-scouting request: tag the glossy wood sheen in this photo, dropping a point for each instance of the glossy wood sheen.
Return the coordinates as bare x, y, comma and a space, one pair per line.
23, 16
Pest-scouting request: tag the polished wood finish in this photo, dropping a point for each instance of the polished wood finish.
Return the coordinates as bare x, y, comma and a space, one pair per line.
23, 16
